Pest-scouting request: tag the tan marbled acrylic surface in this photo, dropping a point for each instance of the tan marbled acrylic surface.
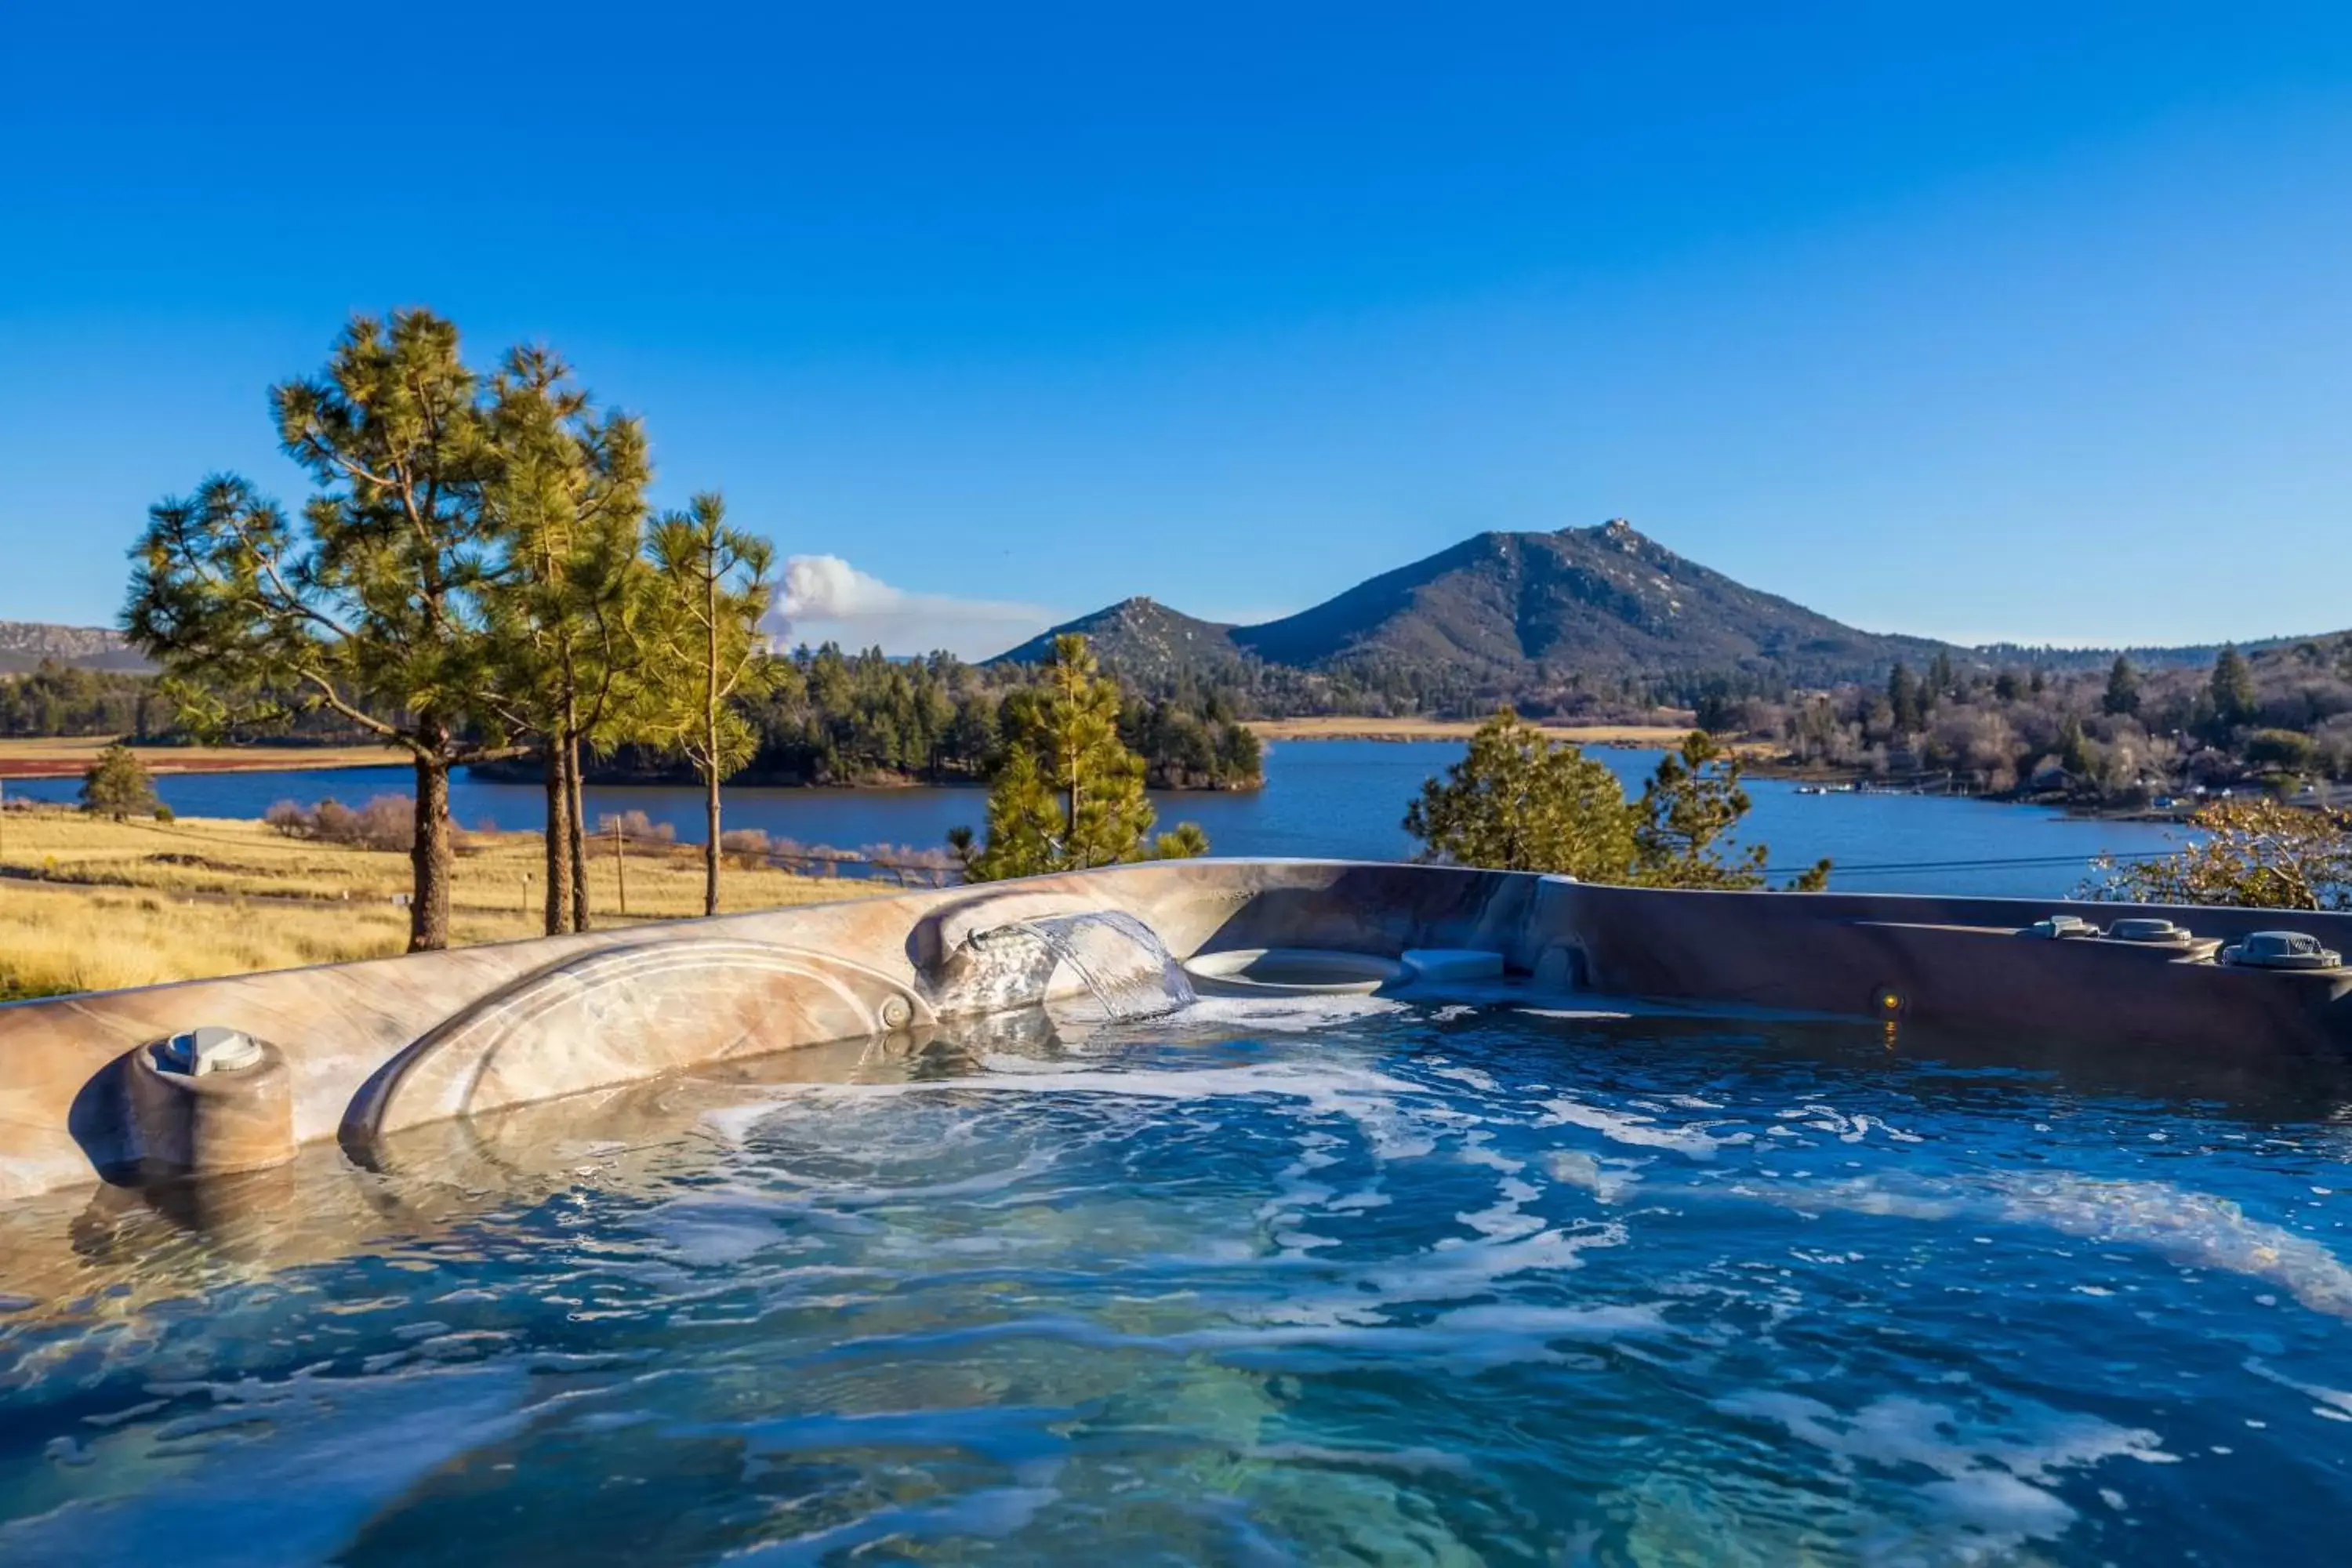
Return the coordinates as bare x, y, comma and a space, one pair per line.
522, 1021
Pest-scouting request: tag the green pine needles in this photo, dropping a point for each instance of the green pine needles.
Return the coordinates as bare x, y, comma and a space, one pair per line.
1066, 793
473, 577
1522, 801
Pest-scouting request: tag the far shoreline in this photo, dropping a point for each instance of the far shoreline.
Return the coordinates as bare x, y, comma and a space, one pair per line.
1338, 728
70, 756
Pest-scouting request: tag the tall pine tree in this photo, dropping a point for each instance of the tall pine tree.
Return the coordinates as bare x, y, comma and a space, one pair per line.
2235, 700
710, 589
1903, 698
2122, 697
1067, 793
374, 605
567, 503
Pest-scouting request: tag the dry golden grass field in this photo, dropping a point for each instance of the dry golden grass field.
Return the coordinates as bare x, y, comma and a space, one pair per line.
89, 904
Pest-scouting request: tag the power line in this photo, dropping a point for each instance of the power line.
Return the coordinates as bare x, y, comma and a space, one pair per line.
1841, 870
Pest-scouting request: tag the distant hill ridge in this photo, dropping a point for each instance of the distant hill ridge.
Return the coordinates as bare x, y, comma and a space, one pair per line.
1143, 638
1604, 601
26, 644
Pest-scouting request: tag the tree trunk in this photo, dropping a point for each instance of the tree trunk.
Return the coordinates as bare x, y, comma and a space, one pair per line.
711, 739
710, 849
579, 846
430, 859
554, 757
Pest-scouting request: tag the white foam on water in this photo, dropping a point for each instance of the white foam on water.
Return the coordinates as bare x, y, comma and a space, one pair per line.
1366, 1096
1575, 1013
1694, 1140
2332, 1404
1444, 1273
2190, 1228
1283, 1015
1478, 1149
1994, 1476
2187, 1228
1847, 1128
1507, 1218
1857, 1195
1610, 1182
1477, 1079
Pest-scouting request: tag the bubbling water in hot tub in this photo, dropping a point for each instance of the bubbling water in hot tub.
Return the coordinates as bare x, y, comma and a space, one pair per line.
1343, 1279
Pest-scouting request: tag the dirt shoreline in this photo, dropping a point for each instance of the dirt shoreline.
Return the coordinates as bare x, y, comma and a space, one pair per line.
48, 757
1348, 729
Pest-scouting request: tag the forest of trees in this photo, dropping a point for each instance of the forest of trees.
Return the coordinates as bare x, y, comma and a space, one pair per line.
820, 717
64, 700
2116, 735
825, 717
1371, 686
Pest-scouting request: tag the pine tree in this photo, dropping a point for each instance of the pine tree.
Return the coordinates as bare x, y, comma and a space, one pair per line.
1903, 697
2074, 754
374, 605
2122, 697
568, 504
1519, 801
1069, 794
2235, 700
117, 785
1940, 679
1689, 803
710, 589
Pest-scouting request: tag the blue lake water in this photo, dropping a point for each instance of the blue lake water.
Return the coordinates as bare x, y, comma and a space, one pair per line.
1321, 798
1371, 1281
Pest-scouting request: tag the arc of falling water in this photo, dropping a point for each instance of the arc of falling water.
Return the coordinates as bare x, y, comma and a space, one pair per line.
1157, 987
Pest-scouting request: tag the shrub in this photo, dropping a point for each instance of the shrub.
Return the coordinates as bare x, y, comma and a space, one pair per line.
747, 844
2255, 854
387, 822
638, 826
2287, 750
117, 785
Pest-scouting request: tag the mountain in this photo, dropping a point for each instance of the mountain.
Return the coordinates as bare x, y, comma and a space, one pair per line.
26, 645
1145, 639
1603, 601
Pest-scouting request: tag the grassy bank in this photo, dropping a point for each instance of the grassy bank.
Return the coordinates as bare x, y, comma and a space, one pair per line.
89, 904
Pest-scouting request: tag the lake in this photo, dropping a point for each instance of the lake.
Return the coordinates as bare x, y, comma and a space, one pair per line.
1343, 799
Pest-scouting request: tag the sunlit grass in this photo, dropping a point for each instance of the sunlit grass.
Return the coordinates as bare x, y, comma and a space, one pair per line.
136, 903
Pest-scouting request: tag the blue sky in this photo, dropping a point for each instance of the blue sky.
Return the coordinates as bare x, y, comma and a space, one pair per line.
1977, 321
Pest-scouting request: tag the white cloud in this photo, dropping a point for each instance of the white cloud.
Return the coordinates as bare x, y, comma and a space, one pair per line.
824, 598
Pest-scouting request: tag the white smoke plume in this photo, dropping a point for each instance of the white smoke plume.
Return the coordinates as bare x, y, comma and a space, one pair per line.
824, 598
